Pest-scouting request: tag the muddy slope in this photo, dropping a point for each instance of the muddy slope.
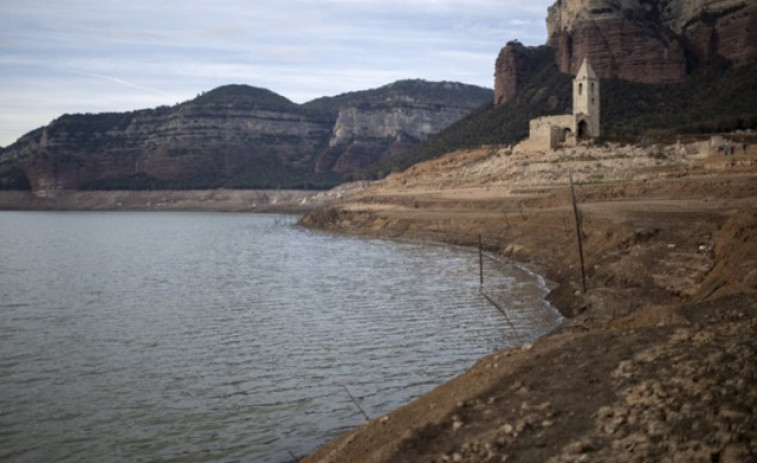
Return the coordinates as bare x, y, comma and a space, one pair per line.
656, 359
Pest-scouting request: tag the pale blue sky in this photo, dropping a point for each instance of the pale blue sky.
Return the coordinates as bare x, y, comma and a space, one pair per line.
72, 56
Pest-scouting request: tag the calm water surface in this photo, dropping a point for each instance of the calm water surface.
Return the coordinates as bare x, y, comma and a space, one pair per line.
194, 337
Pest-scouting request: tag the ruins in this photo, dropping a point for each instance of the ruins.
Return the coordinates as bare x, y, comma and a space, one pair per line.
552, 132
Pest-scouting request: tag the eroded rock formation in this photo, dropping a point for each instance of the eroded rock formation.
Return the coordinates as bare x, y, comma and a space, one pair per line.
513, 65
234, 136
640, 40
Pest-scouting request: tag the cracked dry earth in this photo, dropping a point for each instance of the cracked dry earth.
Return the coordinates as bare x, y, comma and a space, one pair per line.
687, 395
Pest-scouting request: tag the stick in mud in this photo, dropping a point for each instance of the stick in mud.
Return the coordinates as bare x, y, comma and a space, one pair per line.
578, 232
354, 401
501, 309
480, 261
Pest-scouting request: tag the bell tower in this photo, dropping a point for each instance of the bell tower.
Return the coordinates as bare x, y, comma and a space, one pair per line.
586, 102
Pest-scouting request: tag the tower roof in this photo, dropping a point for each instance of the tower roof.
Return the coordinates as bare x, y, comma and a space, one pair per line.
586, 71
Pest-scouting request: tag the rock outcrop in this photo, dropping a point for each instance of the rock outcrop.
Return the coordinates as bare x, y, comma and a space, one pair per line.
624, 39
388, 128
643, 41
372, 125
235, 136
514, 63
714, 28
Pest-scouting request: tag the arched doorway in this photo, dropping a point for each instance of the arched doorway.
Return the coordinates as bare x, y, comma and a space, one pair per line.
583, 130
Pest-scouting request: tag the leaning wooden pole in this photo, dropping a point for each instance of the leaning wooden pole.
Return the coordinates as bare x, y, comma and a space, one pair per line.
480, 261
354, 401
578, 232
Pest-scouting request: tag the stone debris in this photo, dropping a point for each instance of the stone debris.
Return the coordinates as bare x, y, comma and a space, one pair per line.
689, 398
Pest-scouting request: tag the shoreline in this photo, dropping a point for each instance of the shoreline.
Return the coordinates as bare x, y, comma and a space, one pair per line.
655, 362
218, 200
669, 248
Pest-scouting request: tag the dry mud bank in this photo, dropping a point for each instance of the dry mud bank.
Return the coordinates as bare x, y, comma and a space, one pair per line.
655, 361
175, 200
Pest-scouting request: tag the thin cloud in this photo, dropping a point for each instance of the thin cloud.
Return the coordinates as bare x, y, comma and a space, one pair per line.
120, 81
110, 55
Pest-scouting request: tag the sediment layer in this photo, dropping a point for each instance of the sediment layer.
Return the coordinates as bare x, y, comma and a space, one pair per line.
656, 357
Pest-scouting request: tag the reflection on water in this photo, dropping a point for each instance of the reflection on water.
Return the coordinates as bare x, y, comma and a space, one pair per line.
227, 337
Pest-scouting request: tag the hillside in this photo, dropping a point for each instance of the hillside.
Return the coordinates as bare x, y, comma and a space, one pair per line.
716, 98
655, 359
235, 136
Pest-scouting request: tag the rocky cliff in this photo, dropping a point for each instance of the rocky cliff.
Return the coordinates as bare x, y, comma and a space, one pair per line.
234, 136
513, 68
371, 126
641, 40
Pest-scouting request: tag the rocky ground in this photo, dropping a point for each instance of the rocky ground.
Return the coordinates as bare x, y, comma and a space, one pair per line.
655, 362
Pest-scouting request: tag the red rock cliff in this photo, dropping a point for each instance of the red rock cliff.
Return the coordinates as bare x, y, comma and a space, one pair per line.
639, 40
624, 39
513, 63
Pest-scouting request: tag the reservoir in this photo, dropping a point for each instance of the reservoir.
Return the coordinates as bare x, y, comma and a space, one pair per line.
203, 337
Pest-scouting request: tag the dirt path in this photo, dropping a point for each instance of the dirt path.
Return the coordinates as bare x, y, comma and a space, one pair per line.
657, 360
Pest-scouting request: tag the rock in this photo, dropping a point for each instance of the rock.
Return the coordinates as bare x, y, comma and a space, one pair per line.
456, 423
640, 41
735, 453
513, 65
579, 447
617, 40
237, 136
644, 41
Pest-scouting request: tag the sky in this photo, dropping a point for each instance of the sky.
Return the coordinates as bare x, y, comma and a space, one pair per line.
80, 56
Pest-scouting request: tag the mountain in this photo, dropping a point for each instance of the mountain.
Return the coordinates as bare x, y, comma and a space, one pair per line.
375, 124
648, 87
235, 136
645, 41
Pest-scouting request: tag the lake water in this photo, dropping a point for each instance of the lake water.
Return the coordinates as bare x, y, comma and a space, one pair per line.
200, 337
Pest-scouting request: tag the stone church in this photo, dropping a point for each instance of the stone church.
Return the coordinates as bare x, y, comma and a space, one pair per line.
552, 132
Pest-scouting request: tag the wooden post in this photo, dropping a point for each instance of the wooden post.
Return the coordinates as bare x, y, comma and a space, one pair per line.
578, 232
480, 261
354, 401
502, 310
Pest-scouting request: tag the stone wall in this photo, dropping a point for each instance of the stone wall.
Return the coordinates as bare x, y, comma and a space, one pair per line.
548, 133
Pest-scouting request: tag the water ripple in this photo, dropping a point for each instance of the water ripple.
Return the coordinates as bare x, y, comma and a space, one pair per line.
222, 337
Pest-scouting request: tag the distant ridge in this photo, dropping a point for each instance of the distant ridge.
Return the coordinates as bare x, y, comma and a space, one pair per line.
668, 68
235, 136
244, 96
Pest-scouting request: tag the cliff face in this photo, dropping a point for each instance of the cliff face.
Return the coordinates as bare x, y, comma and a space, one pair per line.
641, 40
199, 141
624, 39
712, 28
513, 65
363, 136
234, 136
371, 126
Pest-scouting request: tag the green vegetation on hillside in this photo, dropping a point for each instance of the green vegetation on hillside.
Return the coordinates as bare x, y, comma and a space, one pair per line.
547, 92
718, 98
265, 173
713, 99
244, 96
432, 93
13, 178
